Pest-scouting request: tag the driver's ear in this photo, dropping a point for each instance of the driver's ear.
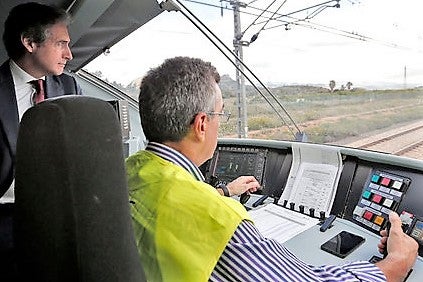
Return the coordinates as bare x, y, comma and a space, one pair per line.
199, 126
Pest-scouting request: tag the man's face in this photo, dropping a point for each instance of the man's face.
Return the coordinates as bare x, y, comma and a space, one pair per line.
51, 56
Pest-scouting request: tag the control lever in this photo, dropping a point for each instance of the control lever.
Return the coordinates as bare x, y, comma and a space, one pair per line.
327, 223
244, 198
385, 250
219, 184
214, 180
260, 201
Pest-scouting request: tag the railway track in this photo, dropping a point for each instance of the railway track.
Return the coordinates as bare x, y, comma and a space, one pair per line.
404, 141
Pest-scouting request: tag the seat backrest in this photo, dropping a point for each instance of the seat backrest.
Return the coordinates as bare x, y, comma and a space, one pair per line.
72, 217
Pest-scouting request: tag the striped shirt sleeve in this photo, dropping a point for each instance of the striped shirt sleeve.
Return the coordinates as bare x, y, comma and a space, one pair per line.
251, 257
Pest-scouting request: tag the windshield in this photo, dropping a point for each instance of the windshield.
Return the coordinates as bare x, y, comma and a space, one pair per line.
348, 75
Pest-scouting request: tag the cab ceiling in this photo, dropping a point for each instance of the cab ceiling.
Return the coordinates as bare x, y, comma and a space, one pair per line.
96, 24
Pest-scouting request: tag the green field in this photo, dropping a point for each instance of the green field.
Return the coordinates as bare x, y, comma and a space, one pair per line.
324, 116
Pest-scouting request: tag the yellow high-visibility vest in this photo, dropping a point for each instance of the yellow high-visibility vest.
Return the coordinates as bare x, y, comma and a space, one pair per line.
182, 225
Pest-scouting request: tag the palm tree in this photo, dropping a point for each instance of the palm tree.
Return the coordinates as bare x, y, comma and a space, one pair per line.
332, 85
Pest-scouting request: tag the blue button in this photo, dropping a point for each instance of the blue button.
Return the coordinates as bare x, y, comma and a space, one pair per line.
367, 194
375, 178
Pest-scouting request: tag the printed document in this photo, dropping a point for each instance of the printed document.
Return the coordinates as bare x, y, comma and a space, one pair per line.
313, 178
279, 223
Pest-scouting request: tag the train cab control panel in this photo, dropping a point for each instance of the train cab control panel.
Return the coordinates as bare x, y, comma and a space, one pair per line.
370, 186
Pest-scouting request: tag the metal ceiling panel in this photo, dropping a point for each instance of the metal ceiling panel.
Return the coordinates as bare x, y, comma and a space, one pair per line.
108, 24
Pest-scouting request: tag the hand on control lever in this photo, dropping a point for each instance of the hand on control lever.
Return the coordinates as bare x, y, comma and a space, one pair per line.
401, 250
384, 249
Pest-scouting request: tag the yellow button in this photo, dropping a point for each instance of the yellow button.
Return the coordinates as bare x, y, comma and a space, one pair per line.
378, 220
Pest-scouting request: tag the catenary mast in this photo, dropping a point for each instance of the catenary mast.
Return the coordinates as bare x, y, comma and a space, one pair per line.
242, 124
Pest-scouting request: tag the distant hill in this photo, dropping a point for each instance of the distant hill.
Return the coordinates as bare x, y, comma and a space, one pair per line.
229, 88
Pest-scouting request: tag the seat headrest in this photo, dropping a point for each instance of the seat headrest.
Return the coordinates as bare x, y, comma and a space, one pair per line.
72, 217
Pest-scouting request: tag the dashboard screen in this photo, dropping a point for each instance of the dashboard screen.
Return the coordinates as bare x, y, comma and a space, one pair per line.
232, 162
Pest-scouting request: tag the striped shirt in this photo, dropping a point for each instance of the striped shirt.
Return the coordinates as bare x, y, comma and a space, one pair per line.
250, 257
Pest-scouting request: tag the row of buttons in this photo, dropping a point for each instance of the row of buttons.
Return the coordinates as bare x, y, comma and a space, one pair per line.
387, 181
381, 199
369, 217
385, 189
382, 194
365, 203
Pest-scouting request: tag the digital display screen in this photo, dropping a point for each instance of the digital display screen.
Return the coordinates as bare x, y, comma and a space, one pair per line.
231, 163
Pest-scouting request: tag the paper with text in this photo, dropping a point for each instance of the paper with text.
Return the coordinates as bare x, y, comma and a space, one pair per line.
281, 224
313, 178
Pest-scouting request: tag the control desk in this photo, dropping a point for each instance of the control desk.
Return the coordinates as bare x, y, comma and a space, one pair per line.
370, 186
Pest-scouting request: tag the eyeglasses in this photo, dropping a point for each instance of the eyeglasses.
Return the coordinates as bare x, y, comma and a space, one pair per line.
223, 116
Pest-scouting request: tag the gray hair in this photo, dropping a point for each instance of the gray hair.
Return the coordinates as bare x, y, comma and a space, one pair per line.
172, 94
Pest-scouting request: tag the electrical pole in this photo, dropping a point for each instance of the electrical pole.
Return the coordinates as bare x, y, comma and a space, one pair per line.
242, 125
405, 77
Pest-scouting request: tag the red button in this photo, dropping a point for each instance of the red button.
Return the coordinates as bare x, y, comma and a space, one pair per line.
377, 198
368, 215
385, 181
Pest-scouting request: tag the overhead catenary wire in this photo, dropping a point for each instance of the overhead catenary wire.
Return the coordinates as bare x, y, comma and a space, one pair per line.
309, 8
265, 24
287, 14
306, 23
258, 16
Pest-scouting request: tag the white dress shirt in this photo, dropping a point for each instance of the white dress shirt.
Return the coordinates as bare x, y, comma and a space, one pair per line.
23, 88
24, 91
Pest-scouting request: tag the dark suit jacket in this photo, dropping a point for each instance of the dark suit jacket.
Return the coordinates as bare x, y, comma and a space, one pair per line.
9, 118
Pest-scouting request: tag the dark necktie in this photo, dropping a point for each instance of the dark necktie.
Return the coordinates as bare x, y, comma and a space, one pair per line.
39, 94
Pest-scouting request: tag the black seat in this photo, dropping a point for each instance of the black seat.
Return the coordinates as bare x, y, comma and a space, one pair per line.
72, 219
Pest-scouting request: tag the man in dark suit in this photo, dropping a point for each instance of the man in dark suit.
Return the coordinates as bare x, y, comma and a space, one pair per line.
37, 43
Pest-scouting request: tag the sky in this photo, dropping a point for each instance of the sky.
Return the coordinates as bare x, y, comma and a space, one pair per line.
388, 53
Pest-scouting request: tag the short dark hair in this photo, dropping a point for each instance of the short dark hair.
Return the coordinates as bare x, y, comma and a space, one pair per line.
172, 94
30, 20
